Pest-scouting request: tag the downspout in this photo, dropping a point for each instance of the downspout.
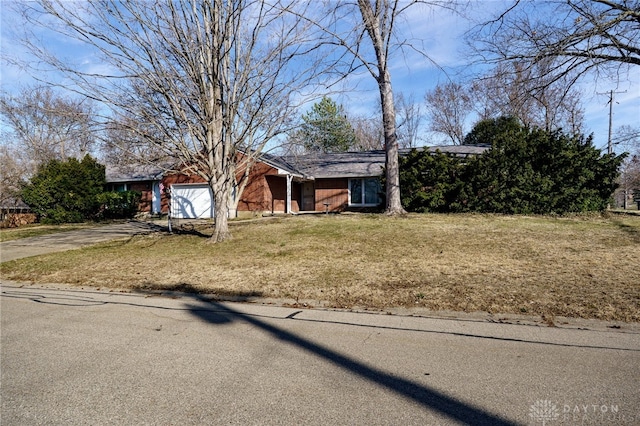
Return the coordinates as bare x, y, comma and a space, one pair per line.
289, 179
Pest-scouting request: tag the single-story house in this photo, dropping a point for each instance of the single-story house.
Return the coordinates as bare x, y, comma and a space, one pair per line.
331, 182
14, 212
144, 178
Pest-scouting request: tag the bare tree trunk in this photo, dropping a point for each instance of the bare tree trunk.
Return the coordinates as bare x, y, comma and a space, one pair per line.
221, 207
374, 23
394, 203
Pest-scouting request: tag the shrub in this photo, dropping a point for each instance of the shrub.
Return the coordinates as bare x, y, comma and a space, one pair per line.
526, 171
430, 182
541, 172
119, 205
66, 191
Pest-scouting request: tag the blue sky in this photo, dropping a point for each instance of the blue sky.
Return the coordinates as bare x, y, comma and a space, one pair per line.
440, 32
443, 33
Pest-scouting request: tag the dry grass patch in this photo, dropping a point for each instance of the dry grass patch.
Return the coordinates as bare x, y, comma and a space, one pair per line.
578, 267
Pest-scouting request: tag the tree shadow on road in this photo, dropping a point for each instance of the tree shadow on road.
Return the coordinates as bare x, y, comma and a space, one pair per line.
217, 314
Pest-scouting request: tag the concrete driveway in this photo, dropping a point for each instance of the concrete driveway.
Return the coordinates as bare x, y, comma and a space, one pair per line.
71, 356
63, 241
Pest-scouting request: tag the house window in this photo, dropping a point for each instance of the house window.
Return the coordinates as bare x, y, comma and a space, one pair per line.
119, 187
364, 192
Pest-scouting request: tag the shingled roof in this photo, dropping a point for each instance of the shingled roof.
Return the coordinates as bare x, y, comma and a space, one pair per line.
307, 166
13, 204
133, 173
457, 150
339, 164
361, 164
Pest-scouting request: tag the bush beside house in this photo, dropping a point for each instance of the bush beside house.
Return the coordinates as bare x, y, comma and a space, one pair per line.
119, 205
526, 171
66, 191
73, 191
431, 182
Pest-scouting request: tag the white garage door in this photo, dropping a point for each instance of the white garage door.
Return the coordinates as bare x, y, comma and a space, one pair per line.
189, 201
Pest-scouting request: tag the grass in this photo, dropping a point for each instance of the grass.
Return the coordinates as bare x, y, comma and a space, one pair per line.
36, 230
585, 267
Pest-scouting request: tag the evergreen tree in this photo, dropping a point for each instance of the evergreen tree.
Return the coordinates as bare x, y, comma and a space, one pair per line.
326, 128
486, 131
526, 171
536, 171
66, 191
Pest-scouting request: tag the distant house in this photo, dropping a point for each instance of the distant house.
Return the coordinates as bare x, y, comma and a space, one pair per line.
332, 182
14, 212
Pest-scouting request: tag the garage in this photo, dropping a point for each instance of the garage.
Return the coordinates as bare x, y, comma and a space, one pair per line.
191, 201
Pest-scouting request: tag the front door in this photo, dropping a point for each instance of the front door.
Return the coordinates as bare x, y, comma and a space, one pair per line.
308, 197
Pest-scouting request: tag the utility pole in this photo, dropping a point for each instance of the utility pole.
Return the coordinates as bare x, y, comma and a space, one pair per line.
609, 145
609, 140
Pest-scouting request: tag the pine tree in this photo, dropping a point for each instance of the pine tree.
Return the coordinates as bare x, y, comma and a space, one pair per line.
66, 191
326, 128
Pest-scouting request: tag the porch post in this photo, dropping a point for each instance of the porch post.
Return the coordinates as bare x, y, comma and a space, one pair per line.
289, 179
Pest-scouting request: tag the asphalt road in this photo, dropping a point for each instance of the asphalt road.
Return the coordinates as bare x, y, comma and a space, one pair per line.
71, 356
62, 241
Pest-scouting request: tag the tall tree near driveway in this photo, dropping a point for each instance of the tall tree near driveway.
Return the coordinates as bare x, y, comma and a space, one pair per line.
210, 82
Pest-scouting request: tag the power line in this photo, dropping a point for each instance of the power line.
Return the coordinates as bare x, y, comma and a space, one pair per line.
609, 141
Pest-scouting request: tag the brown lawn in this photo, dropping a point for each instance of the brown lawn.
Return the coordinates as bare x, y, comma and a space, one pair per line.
586, 266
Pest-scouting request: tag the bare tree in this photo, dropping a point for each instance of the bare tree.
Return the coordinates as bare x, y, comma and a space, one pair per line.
43, 125
627, 139
378, 20
126, 148
578, 35
629, 179
409, 118
210, 82
510, 89
448, 107
12, 173
365, 30
369, 133
531, 94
